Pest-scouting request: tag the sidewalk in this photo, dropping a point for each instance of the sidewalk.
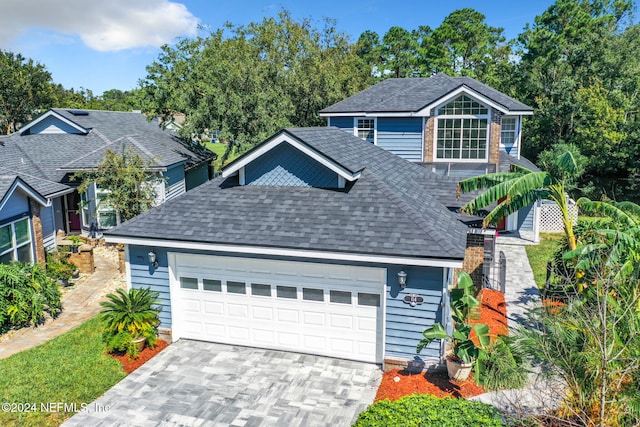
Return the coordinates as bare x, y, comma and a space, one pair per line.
79, 304
521, 291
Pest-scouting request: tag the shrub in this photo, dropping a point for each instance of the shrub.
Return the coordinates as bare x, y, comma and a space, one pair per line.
59, 266
26, 294
424, 410
128, 316
502, 366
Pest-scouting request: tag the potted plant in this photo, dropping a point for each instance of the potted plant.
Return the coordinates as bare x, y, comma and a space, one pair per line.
130, 320
464, 351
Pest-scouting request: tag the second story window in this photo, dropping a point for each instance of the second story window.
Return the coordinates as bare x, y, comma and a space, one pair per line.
462, 130
509, 131
366, 129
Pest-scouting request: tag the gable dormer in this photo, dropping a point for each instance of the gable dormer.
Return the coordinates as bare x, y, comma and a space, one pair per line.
53, 122
286, 161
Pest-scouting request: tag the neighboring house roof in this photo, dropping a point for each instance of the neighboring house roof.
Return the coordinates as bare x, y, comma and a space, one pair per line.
9, 183
56, 154
386, 211
410, 95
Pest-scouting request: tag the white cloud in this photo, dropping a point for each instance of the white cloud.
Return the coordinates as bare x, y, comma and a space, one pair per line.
103, 25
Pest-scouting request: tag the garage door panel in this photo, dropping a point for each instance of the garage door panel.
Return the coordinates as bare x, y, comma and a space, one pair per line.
340, 321
313, 318
238, 333
191, 305
288, 340
213, 307
286, 305
238, 310
262, 313
366, 324
288, 315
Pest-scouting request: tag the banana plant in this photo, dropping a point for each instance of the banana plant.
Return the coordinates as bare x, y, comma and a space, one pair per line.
519, 188
465, 349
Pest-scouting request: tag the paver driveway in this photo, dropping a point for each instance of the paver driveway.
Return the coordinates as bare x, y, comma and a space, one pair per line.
193, 383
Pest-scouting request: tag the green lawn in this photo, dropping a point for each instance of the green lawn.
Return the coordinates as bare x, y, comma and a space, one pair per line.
219, 149
540, 254
72, 368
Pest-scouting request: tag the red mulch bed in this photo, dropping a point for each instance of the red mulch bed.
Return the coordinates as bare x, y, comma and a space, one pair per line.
437, 384
129, 365
493, 313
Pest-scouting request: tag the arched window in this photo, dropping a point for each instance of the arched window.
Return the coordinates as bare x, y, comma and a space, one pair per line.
462, 130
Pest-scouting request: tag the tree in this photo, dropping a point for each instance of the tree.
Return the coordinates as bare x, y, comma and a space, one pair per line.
464, 45
520, 187
25, 87
129, 180
248, 82
398, 52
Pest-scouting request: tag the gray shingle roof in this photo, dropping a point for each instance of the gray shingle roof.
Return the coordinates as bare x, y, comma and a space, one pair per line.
387, 211
57, 154
413, 94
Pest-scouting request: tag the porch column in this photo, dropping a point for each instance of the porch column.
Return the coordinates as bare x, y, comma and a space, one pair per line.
38, 239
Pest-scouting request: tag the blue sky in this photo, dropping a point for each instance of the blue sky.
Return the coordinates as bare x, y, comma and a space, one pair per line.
101, 45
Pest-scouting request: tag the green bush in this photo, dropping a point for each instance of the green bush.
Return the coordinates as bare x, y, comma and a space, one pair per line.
421, 410
128, 316
26, 294
502, 366
59, 266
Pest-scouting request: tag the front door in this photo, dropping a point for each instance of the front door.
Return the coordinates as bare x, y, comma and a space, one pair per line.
72, 208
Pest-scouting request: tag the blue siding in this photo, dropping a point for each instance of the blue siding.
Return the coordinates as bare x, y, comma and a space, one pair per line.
404, 324
17, 204
52, 125
287, 166
345, 123
525, 218
401, 136
48, 228
197, 176
143, 275
175, 183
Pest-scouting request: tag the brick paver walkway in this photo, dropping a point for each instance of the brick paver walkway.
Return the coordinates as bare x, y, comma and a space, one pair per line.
79, 305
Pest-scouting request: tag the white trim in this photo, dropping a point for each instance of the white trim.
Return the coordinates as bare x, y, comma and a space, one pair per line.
31, 193
174, 300
280, 138
341, 182
127, 267
536, 221
241, 176
436, 120
375, 128
383, 339
300, 253
512, 221
427, 111
371, 114
59, 116
422, 136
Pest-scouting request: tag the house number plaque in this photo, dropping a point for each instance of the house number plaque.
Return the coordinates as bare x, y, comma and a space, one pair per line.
413, 299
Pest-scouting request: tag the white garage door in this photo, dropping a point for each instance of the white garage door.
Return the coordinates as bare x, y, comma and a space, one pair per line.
322, 309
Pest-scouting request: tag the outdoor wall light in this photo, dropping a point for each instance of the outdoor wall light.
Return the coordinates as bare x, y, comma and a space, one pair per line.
402, 279
153, 259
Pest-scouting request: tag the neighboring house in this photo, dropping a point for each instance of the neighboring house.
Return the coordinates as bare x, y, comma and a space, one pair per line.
299, 245
453, 126
39, 160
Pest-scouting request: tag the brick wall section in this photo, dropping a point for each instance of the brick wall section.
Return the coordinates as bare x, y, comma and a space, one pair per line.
494, 137
428, 139
83, 259
38, 238
474, 258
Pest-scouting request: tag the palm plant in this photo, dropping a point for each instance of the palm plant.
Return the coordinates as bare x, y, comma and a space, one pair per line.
520, 187
129, 316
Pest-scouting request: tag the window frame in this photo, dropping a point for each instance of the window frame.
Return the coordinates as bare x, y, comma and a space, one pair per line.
515, 131
106, 208
356, 120
461, 117
14, 246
